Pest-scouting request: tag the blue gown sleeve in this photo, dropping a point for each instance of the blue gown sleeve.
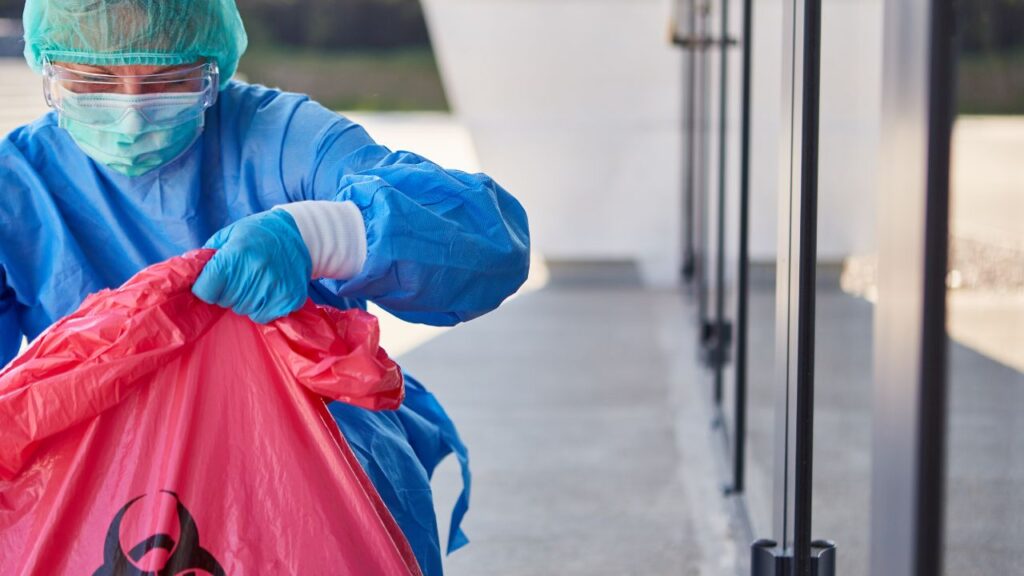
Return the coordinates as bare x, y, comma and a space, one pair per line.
10, 332
443, 246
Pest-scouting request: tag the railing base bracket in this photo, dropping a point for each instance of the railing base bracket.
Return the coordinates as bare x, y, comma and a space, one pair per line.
767, 559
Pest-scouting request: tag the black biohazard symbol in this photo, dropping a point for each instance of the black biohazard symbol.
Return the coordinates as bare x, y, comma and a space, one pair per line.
176, 557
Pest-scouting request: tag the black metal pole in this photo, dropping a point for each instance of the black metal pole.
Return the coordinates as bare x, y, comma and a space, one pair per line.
931, 435
689, 219
742, 279
723, 103
701, 9
807, 281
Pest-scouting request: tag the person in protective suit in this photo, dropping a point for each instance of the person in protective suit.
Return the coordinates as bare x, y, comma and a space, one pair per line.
151, 150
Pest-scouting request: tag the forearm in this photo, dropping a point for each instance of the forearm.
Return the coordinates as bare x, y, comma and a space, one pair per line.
442, 246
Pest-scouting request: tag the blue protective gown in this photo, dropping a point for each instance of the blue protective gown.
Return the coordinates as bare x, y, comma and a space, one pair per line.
443, 247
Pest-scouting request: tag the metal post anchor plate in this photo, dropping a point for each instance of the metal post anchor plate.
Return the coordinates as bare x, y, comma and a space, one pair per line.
767, 559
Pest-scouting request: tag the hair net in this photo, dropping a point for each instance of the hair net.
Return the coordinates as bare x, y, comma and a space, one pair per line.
126, 32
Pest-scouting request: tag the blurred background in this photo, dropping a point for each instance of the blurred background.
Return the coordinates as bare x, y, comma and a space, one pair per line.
372, 55
347, 55
602, 419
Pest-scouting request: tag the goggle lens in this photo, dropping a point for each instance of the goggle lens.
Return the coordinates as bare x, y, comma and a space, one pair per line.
59, 80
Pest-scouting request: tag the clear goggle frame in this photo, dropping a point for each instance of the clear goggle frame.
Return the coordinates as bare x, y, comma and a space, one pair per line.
201, 78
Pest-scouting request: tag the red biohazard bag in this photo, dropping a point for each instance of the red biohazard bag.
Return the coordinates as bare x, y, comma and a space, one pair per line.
149, 433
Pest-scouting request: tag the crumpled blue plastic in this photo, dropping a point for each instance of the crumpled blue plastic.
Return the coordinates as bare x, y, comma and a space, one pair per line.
381, 447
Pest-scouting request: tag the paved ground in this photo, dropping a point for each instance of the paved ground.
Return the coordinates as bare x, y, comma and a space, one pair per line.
588, 434
570, 398
988, 178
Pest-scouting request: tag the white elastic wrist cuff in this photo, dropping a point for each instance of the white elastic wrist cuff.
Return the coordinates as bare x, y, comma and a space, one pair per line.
335, 235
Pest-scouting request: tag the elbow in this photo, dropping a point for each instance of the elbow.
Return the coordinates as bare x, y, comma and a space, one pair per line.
515, 255
519, 266
509, 271
498, 275
504, 244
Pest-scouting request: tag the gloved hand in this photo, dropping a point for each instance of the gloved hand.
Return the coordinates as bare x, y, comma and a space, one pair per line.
262, 267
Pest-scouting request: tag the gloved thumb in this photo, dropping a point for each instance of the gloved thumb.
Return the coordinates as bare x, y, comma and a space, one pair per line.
218, 240
212, 280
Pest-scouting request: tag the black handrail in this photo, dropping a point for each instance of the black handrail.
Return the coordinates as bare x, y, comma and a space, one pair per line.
716, 333
689, 117
803, 469
742, 279
932, 422
720, 337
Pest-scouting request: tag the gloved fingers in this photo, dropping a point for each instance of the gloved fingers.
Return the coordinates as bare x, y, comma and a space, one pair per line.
265, 316
249, 295
272, 306
242, 307
213, 280
246, 306
261, 268
295, 304
218, 240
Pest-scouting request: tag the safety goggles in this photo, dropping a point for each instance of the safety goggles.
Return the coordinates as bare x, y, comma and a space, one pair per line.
61, 85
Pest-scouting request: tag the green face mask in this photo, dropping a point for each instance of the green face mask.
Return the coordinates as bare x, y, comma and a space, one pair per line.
133, 134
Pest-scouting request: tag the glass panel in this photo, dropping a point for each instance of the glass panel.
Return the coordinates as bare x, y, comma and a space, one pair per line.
851, 74
766, 108
985, 466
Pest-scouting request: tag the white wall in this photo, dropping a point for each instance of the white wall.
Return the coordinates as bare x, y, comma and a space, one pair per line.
575, 106
851, 98
850, 116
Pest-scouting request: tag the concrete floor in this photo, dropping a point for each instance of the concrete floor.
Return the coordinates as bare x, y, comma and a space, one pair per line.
988, 179
587, 417
588, 434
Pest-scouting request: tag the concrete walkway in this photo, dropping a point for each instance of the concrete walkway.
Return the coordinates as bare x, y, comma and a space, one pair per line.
588, 435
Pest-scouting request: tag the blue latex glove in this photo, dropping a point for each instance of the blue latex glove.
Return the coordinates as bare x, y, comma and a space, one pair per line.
262, 267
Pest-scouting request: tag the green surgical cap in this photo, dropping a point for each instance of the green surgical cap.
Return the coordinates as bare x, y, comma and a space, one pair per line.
132, 32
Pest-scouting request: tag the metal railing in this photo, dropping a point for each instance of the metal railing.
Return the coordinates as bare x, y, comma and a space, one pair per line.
910, 382
716, 336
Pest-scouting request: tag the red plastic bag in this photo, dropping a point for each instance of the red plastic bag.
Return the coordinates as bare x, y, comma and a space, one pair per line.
149, 433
